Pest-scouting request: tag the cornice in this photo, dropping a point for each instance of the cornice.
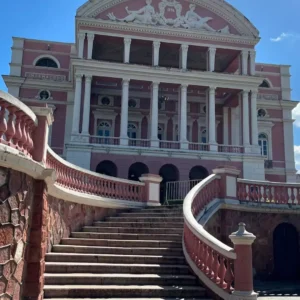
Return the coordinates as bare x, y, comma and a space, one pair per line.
168, 32
161, 74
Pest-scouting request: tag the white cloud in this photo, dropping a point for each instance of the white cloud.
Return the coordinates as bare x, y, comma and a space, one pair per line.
297, 156
296, 115
284, 36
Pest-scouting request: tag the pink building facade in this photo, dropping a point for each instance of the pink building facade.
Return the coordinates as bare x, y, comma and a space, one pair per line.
162, 87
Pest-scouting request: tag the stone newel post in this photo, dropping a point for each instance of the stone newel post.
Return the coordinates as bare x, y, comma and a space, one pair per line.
152, 185
243, 274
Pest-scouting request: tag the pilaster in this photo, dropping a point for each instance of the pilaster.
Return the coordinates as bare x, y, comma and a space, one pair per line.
225, 126
77, 102
244, 57
127, 45
81, 38
183, 56
124, 112
246, 137
211, 59
154, 115
183, 117
155, 57
254, 122
90, 37
212, 116
252, 62
87, 106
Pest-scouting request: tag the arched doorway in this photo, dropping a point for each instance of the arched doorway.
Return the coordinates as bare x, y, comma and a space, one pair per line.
108, 168
198, 173
136, 170
168, 173
286, 252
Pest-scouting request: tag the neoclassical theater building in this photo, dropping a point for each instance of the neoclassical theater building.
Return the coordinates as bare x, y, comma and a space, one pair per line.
169, 87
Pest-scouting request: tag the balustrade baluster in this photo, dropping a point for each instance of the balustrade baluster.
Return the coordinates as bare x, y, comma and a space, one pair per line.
3, 123
228, 276
10, 132
222, 272
290, 195
216, 267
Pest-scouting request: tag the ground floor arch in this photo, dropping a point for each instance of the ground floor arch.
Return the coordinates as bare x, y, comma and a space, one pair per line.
108, 168
286, 252
198, 173
136, 170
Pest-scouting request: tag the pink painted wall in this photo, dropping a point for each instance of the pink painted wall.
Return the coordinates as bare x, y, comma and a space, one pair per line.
278, 142
276, 178
58, 127
267, 68
123, 163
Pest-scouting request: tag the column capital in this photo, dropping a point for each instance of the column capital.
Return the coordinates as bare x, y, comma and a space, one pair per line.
78, 76
88, 78
212, 49
212, 89
245, 52
245, 92
127, 41
91, 36
156, 44
155, 84
81, 35
254, 93
252, 53
125, 81
184, 47
184, 86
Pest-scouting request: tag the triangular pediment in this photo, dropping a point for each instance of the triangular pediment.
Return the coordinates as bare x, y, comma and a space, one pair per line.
198, 15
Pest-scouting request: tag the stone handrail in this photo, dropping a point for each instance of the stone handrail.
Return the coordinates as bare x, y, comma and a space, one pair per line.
17, 123
81, 180
268, 192
209, 258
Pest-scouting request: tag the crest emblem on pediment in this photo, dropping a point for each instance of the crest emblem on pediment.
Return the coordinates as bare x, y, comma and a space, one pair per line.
147, 15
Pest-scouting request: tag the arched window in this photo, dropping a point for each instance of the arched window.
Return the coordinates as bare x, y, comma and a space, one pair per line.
132, 131
204, 136
264, 144
104, 129
261, 113
265, 84
108, 168
47, 63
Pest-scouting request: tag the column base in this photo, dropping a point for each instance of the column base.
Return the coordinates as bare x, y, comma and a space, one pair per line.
154, 143
184, 145
248, 149
124, 141
213, 147
237, 295
76, 137
85, 137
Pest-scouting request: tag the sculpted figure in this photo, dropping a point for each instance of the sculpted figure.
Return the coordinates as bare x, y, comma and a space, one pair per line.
143, 16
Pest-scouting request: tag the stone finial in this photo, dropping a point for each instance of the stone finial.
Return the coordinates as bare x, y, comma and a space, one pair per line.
242, 236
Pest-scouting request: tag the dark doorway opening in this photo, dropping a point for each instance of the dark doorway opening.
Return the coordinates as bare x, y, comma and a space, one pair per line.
108, 168
286, 252
136, 170
198, 173
168, 173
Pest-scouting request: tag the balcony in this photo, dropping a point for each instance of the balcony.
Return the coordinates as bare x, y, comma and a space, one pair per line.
144, 145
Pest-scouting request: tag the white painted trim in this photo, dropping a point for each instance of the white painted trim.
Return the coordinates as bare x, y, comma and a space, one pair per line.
46, 56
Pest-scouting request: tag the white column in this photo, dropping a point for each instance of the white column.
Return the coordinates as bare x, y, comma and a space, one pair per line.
234, 129
124, 112
246, 138
155, 54
183, 56
212, 117
127, 44
77, 104
87, 105
183, 117
154, 115
225, 126
252, 62
81, 38
254, 125
244, 56
91, 38
211, 59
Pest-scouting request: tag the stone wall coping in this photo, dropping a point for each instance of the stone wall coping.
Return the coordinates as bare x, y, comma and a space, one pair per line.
44, 112
151, 178
12, 101
227, 170
283, 184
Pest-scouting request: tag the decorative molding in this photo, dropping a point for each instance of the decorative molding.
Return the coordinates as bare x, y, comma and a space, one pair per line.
41, 76
267, 97
47, 56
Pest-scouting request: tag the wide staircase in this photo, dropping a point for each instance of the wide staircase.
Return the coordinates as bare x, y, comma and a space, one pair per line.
135, 255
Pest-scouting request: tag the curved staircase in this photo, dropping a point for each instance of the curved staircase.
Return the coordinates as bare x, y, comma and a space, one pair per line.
135, 255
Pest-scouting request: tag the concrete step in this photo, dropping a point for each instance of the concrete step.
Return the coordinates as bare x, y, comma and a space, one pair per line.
117, 250
146, 219
122, 243
139, 225
151, 214
158, 209
105, 268
113, 258
119, 279
93, 291
133, 230
127, 236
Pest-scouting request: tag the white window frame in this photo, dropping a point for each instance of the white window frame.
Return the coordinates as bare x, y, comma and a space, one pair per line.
46, 56
266, 139
265, 127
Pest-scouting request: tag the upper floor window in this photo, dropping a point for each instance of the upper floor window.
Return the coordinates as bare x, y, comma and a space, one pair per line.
47, 63
264, 144
265, 84
104, 129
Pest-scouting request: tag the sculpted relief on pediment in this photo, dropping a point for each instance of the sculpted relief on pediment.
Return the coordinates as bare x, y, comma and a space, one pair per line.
147, 15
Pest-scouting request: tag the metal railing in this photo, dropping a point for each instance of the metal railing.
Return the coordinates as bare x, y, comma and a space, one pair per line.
177, 190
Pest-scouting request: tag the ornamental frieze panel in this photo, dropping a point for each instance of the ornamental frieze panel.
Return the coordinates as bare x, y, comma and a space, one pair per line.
267, 97
168, 13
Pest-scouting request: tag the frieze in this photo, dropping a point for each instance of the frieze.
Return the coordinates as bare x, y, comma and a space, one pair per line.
41, 76
147, 15
267, 97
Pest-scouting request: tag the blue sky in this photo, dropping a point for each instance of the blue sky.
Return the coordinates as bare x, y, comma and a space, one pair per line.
54, 20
